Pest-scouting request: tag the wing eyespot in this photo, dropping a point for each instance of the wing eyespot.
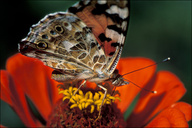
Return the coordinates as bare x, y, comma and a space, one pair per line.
53, 32
42, 45
59, 29
44, 36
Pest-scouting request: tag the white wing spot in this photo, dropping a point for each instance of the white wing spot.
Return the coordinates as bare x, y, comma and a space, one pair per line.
102, 2
124, 25
69, 27
112, 34
67, 45
114, 9
86, 2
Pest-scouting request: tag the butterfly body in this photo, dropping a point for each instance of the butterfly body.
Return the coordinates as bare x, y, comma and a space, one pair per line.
84, 43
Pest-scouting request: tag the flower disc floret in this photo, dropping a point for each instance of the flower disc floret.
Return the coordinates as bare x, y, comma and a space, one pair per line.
83, 101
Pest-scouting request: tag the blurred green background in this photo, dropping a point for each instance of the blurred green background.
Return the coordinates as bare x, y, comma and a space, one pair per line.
157, 29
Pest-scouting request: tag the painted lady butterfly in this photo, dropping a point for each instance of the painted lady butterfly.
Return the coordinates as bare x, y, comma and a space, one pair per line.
83, 43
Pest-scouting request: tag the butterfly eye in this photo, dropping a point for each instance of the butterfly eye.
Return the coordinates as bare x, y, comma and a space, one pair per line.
42, 45
58, 28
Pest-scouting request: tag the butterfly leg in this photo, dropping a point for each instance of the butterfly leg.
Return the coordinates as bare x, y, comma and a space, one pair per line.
79, 87
105, 93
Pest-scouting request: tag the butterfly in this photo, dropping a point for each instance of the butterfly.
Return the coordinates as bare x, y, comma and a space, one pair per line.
82, 44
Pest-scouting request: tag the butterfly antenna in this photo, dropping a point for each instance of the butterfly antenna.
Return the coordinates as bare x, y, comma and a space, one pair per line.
165, 60
140, 87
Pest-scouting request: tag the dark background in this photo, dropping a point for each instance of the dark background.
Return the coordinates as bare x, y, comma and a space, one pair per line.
157, 29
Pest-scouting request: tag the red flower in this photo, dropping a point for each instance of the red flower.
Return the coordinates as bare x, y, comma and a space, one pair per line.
28, 77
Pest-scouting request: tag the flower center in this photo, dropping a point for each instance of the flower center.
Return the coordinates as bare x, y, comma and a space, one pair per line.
81, 110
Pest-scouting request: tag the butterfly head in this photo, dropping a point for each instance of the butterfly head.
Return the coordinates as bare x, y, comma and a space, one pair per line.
117, 79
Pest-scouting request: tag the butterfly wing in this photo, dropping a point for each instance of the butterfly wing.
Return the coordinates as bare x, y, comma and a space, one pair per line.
85, 48
62, 41
108, 20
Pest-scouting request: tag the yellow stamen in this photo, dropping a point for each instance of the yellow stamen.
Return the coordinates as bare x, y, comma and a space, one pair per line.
83, 101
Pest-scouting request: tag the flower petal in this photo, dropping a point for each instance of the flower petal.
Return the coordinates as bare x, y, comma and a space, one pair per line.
185, 108
174, 116
91, 85
15, 97
5, 82
141, 78
35, 80
169, 90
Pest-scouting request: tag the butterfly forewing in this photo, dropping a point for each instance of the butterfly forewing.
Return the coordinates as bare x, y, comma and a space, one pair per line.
108, 20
